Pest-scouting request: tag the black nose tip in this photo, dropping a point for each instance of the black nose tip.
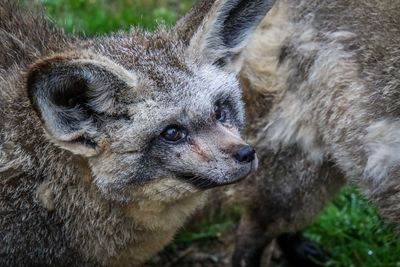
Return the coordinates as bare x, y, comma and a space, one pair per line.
245, 154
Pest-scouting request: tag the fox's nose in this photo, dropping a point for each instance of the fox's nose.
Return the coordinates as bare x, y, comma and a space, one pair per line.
245, 154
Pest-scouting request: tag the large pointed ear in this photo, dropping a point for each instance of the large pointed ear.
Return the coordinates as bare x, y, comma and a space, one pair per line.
189, 23
73, 94
226, 30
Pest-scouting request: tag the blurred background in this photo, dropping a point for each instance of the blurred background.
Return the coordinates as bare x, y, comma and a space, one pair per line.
101, 16
349, 228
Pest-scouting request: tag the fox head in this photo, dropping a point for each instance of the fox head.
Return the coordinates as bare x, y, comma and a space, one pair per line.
149, 109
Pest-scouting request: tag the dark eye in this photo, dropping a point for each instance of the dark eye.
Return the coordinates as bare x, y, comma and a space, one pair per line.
220, 113
174, 134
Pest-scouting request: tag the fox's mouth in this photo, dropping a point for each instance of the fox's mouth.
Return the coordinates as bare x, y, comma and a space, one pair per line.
204, 183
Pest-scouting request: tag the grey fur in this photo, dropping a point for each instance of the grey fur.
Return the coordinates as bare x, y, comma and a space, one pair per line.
85, 178
321, 85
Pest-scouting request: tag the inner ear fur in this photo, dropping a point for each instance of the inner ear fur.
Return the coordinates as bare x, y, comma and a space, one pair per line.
72, 94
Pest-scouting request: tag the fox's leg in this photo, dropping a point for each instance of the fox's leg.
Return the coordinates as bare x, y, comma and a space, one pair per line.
300, 251
284, 196
251, 240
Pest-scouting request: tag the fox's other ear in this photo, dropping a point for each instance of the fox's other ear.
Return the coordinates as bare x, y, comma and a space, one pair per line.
73, 94
190, 22
227, 28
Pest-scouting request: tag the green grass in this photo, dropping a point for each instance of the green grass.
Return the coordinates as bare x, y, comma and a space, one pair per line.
211, 226
353, 233
349, 228
101, 16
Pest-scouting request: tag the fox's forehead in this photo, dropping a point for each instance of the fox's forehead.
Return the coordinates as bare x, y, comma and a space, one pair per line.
166, 75
146, 52
185, 96
160, 58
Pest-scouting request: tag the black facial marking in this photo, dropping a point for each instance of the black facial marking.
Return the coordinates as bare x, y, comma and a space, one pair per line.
283, 54
220, 112
221, 62
201, 182
85, 141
